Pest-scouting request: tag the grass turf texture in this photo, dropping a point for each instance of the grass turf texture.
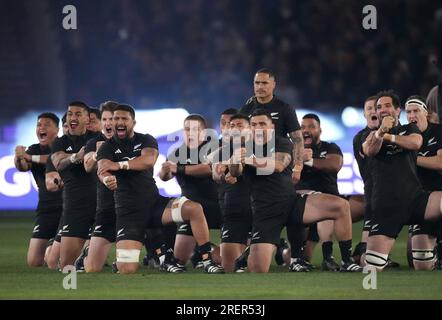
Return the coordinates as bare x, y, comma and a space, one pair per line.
17, 281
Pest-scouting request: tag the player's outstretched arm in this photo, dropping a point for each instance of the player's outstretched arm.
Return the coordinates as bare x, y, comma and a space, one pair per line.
331, 164
145, 161
372, 144
298, 151
411, 142
62, 160
432, 163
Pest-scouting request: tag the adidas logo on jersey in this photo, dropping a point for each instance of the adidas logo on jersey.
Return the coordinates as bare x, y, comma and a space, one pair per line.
118, 151
69, 148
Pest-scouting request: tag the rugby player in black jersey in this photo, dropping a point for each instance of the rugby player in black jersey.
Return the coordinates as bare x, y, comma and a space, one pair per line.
103, 235
49, 206
429, 166
286, 125
237, 214
189, 164
79, 197
398, 197
125, 165
371, 117
54, 184
274, 203
322, 162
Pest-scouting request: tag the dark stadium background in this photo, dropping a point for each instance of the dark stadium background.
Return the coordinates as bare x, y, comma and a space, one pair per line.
201, 55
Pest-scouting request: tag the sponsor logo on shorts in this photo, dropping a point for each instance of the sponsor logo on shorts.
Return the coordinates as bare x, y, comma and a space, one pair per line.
36, 229
255, 236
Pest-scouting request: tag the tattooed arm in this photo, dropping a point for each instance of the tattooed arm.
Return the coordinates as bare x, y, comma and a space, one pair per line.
298, 151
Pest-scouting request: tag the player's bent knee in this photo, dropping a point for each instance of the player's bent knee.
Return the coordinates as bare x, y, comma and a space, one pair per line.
180, 205
191, 210
127, 268
423, 259
91, 268
376, 259
35, 262
128, 255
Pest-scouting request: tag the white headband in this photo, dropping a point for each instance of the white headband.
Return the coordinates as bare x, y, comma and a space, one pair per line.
418, 102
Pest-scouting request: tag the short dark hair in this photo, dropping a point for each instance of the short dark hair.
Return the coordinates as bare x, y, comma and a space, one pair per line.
415, 97
230, 111
389, 93
267, 71
80, 104
108, 106
312, 116
240, 116
371, 98
196, 117
63, 119
127, 108
95, 111
51, 116
261, 112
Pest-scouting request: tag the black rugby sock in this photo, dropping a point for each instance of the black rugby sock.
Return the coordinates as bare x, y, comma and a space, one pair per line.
295, 235
327, 250
345, 247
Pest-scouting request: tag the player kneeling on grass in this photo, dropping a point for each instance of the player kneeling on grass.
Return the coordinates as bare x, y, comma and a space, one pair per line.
94, 256
397, 195
125, 165
49, 207
266, 161
429, 166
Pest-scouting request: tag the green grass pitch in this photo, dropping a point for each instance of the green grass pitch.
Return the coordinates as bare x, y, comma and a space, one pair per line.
17, 281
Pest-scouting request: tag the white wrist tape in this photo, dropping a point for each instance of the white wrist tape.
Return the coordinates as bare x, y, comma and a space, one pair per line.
124, 165
176, 209
128, 255
309, 163
35, 158
393, 138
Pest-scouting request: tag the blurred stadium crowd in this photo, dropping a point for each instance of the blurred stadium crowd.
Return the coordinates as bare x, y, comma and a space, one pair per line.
202, 54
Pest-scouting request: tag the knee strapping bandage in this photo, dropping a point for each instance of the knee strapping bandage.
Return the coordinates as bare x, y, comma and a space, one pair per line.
128, 255
376, 259
176, 209
424, 255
